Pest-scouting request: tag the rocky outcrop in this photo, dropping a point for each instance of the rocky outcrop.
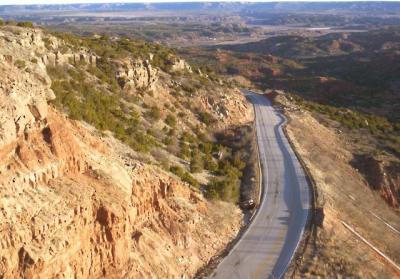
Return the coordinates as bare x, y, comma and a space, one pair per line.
230, 108
75, 205
137, 74
71, 208
58, 58
179, 64
382, 175
24, 92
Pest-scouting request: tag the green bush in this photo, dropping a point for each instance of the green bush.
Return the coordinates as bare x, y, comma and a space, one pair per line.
184, 150
168, 140
206, 147
188, 137
237, 161
25, 24
226, 189
20, 64
170, 120
209, 163
207, 118
184, 175
154, 113
196, 162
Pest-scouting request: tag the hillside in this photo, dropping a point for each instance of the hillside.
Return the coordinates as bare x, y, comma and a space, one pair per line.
299, 46
108, 146
341, 194
354, 91
343, 110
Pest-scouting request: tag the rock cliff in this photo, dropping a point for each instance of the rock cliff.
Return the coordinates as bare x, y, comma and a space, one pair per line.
180, 65
74, 204
382, 175
136, 74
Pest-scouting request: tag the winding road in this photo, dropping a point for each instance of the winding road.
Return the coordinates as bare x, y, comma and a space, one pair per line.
269, 243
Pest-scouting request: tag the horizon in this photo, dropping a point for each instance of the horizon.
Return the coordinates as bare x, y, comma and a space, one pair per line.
60, 2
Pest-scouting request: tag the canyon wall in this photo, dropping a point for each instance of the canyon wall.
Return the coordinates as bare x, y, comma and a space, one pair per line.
73, 204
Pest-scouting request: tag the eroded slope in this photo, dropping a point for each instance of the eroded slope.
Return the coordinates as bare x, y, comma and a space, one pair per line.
343, 195
78, 203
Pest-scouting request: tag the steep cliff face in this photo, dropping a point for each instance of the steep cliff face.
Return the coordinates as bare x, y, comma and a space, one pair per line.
24, 87
382, 175
74, 204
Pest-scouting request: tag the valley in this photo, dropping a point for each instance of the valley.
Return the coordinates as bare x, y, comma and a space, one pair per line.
130, 148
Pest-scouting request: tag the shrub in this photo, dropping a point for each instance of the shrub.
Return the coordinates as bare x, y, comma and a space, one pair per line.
167, 140
187, 137
154, 113
25, 24
184, 150
20, 64
226, 189
196, 162
207, 118
170, 120
206, 147
184, 175
209, 163
237, 161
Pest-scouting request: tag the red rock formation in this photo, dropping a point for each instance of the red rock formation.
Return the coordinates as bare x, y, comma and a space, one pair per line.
72, 205
382, 175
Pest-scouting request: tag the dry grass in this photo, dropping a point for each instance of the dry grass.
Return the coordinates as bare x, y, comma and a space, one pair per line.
334, 252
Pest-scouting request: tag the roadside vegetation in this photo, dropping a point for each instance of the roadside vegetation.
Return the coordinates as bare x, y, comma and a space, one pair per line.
385, 132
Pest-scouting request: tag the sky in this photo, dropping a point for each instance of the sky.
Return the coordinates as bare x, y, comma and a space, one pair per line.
26, 2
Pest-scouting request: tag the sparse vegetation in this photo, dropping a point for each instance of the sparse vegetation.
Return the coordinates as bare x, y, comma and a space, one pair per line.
379, 127
93, 94
20, 64
154, 113
196, 161
27, 24
170, 120
184, 175
206, 118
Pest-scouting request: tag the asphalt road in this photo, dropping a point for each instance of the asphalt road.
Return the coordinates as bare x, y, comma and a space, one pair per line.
269, 243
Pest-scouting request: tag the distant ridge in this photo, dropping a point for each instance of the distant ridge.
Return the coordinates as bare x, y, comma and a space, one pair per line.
250, 7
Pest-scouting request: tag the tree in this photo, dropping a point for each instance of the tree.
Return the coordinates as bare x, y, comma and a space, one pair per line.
209, 163
196, 162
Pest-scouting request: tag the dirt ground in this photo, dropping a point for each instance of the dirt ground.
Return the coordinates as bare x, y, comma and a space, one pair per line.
333, 251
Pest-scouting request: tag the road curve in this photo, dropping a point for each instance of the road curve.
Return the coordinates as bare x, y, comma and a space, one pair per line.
268, 245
